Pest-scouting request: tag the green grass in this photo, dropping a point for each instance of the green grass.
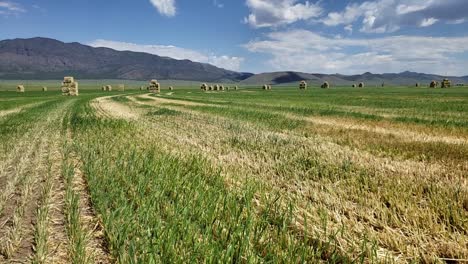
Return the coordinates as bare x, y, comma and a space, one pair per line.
248, 176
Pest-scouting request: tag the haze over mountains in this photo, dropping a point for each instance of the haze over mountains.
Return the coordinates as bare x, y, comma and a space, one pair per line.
43, 58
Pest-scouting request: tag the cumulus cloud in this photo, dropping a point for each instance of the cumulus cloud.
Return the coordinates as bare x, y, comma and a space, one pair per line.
271, 13
223, 61
302, 50
10, 8
165, 7
383, 16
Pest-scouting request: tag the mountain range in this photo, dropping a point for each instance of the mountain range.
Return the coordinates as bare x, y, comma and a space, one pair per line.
44, 58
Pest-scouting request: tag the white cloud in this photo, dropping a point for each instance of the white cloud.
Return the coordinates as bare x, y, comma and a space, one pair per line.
218, 4
271, 13
382, 16
302, 50
223, 61
165, 7
10, 8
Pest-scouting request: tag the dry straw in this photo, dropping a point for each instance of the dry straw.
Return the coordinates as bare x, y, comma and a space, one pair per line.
154, 86
446, 83
20, 88
69, 86
303, 85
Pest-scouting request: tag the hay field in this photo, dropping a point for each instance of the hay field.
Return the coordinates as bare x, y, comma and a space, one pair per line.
340, 175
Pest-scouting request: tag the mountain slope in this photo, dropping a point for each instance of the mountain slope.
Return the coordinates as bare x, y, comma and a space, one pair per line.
42, 58
404, 78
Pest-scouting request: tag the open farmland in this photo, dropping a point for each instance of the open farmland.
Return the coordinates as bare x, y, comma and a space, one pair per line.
336, 175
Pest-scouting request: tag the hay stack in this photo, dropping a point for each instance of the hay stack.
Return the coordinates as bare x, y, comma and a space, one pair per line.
171, 88
303, 85
325, 85
433, 84
204, 87
361, 85
69, 86
44, 89
122, 87
446, 83
154, 87
20, 88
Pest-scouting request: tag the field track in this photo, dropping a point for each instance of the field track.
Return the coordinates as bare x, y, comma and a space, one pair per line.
240, 175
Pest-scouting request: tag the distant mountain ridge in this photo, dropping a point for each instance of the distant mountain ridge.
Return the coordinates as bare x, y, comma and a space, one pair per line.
44, 58
404, 78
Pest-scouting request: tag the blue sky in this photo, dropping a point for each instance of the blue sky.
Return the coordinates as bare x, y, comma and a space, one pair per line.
332, 36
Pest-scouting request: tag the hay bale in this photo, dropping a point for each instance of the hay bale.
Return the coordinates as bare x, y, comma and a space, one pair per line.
269, 87
235, 88
204, 87
265, 87
108, 88
354, 85
171, 88
303, 85
227, 88
154, 87
142, 88
325, 85
433, 84
103, 88
211, 88
20, 88
361, 85
446, 83
216, 87
221, 87
69, 86
417, 84
44, 89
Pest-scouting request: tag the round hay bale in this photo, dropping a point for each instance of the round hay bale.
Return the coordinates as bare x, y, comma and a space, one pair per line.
325, 85
20, 88
235, 88
265, 87
269, 87
303, 85
417, 85
433, 84
204, 87
354, 85
210, 88
44, 89
216, 87
361, 85
171, 88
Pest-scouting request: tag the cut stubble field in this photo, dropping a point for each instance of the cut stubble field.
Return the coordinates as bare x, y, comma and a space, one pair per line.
323, 175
